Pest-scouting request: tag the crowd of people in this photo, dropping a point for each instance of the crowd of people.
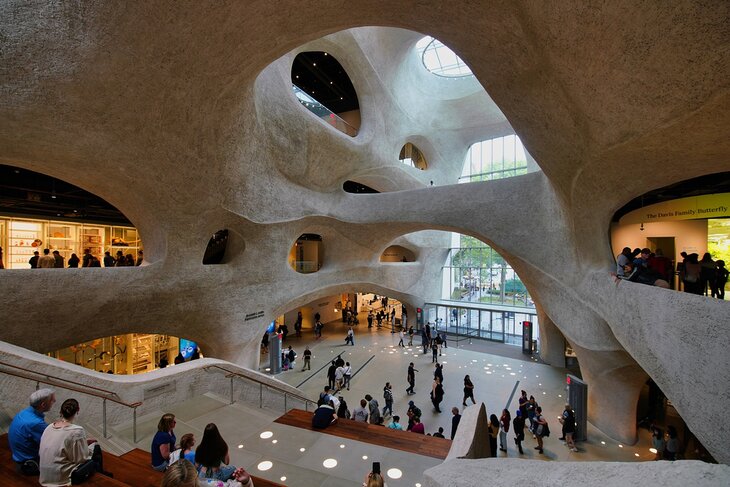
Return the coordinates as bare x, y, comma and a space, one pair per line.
54, 260
704, 277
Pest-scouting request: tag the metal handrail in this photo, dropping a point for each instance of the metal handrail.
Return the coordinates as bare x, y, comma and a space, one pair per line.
237, 375
91, 391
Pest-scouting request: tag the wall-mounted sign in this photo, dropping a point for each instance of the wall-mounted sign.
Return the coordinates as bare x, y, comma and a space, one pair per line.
692, 208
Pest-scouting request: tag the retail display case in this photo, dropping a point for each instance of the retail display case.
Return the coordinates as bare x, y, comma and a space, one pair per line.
24, 238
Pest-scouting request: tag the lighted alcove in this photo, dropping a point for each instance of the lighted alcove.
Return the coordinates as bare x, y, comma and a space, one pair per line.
322, 86
307, 254
410, 155
396, 253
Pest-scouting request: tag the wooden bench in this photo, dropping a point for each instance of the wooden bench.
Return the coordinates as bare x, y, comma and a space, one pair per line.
373, 434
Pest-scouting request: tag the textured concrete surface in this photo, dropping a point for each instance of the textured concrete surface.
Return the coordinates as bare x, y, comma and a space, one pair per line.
181, 114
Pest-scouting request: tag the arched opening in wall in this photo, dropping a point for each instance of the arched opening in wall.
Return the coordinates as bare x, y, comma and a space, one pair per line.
132, 353
307, 254
679, 234
480, 283
498, 158
357, 188
396, 253
411, 155
441, 60
215, 252
79, 229
322, 86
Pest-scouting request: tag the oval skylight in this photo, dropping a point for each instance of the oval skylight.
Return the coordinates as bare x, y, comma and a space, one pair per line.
440, 60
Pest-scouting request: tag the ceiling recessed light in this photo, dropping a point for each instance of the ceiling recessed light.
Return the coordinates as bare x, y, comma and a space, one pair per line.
314, 64
266, 434
329, 463
302, 450
264, 466
394, 473
364, 457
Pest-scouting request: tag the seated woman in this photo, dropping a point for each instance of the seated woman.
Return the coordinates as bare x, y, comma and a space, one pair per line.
163, 442
324, 416
66, 455
211, 457
187, 442
183, 474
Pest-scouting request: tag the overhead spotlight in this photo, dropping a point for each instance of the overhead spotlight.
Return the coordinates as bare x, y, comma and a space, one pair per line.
314, 64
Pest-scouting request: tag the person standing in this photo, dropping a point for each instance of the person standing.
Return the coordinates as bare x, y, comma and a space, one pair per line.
339, 377
73, 261
403, 316
292, 356
298, 325
374, 409
370, 319
568, 422
388, 397
395, 424
86, 259
504, 422
720, 279
331, 375
59, 260
468, 390
437, 394
412, 412
410, 336
493, 433
307, 359
402, 335
542, 429
455, 419
418, 427
26, 430
434, 351
108, 259
518, 425
33, 261
347, 375
350, 337
361, 414
140, 258
392, 321
411, 378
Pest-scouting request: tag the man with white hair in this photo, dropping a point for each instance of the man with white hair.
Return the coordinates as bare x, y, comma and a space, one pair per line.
26, 430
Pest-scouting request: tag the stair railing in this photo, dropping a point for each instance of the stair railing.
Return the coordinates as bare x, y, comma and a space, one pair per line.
70, 385
237, 375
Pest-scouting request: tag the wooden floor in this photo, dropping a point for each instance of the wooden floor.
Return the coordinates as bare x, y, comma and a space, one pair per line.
130, 470
376, 435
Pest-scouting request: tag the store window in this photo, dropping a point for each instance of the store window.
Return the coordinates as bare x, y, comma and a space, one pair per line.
410, 155
475, 272
358, 188
133, 353
322, 86
307, 254
396, 253
440, 60
215, 252
498, 158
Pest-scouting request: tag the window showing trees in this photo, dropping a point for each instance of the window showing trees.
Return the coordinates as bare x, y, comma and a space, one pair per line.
475, 272
411, 155
498, 158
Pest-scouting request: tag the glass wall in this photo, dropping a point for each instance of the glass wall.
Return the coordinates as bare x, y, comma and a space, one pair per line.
475, 272
498, 158
476, 321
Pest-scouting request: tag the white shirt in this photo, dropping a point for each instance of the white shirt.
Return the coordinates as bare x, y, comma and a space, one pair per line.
339, 373
62, 449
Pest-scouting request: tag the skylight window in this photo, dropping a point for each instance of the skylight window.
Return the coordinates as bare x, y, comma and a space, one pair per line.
440, 60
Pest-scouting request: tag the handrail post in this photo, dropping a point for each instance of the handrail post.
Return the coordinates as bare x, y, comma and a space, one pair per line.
285, 402
134, 425
231, 389
103, 418
261, 395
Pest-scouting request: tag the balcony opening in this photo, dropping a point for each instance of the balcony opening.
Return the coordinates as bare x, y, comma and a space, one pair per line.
396, 253
322, 86
307, 254
216, 249
358, 188
410, 155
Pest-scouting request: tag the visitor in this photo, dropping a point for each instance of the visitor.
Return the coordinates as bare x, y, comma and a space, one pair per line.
307, 359
324, 416
318, 329
504, 422
361, 414
347, 374
73, 261
657, 442
691, 275
542, 430
67, 456
411, 378
46, 261
437, 394
438, 372
518, 425
434, 351
622, 259
331, 375
58, 260
343, 411
661, 265
140, 258
298, 325
350, 337
395, 423
410, 336
26, 430
33, 261
283, 330
401, 336
163, 443
339, 377
412, 412
119, 260
672, 446
187, 442
388, 398
196, 354
418, 426
374, 479
108, 259
455, 420
374, 410
292, 356
531, 408
636, 273
370, 319
183, 474
493, 433
568, 430
468, 390
265, 342
212, 456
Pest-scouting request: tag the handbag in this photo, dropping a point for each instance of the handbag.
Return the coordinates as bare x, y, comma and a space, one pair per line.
82, 472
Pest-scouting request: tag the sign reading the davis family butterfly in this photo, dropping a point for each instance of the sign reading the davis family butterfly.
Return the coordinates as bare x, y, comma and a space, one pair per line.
692, 208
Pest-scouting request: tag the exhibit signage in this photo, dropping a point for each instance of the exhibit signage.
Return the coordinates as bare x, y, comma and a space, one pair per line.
692, 208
